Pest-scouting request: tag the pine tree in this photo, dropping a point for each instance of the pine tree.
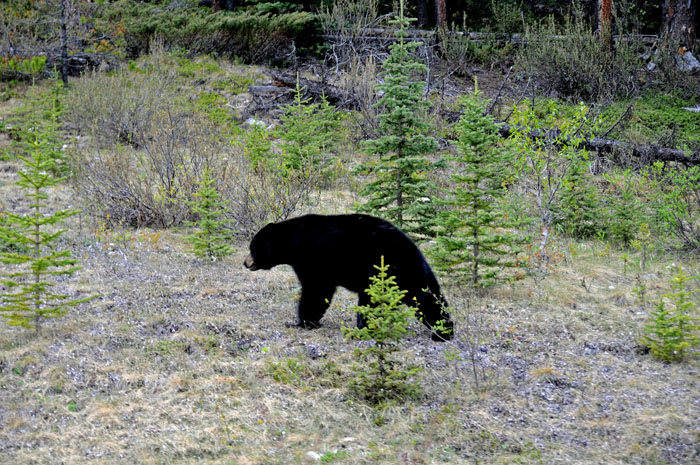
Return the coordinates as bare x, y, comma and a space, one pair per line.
400, 189
625, 210
211, 240
309, 131
26, 296
473, 242
380, 376
578, 210
673, 330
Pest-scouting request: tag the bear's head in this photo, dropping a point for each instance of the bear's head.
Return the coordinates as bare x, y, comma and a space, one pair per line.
262, 254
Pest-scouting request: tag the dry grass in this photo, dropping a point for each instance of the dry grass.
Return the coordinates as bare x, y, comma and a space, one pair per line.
179, 361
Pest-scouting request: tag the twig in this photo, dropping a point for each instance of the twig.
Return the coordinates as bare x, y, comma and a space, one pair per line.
622, 116
498, 95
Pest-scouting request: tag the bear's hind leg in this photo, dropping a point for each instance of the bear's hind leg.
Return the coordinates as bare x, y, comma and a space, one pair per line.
363, 301
313, 304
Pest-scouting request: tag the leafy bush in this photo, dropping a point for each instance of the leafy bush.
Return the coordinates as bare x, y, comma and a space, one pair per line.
547, 156
148, 147
119, 108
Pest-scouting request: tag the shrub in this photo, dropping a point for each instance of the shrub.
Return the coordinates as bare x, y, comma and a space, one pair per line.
151, 186
676, 202
253, 36
119, 108
547, 155
572, 61
155, 185
379, 376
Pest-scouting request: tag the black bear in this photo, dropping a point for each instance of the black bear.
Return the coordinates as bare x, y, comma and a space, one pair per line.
341, 250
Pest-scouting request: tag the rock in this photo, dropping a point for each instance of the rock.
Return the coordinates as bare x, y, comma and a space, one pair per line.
256, 122
687, 62
311, 455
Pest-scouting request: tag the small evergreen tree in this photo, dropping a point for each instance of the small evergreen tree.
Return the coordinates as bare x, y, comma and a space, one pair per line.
211, 240
26, 297
671, 332
380, 376
309, 131
400, 189
625, 210
473, 241
578, 210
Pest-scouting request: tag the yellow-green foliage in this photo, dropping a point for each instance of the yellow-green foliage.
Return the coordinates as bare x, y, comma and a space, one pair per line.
380, 376
673, 327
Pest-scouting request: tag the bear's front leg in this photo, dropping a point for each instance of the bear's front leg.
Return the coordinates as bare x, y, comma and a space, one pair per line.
313, 304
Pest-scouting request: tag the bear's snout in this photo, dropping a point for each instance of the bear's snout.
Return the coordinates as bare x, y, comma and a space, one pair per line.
250, 263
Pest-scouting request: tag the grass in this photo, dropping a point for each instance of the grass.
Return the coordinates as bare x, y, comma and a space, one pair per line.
656, 119
181, 361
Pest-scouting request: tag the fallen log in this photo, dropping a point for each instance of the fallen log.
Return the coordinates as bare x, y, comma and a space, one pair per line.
314, 89
645, 153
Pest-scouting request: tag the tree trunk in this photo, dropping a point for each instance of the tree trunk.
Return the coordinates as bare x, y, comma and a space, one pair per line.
422, 12
605, 9
440, 14
64, 42
678, 24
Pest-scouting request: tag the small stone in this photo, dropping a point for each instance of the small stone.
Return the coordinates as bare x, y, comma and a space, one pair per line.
313, 456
